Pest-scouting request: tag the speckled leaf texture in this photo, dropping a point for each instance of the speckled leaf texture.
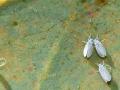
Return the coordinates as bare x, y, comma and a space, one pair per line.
41, 41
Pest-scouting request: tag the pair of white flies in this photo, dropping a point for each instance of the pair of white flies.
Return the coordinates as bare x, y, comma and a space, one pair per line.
94, 43
90, 44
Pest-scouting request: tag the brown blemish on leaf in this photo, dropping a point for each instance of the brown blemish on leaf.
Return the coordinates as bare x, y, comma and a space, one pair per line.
7, 54
16, 78
71, 53
91, 72
101, 2
20, 45
87, 6
65, 24
62, 62
14, 23
83, 1
30, 68
22, 29
73, 16
2, 32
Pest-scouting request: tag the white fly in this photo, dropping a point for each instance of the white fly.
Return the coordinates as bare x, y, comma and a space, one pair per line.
104, 73
88, 49
99, 47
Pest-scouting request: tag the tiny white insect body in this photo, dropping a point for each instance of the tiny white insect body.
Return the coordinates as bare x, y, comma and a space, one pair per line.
88, 49
104, 73
99, 47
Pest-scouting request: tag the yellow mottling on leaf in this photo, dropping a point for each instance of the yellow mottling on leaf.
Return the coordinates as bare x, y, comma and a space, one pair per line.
2, 32
47, 63
86, 5
73, 16
65, 24
2, 2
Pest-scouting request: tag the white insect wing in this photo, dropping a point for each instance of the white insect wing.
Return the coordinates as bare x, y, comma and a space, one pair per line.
88, 48
104, 73
99, 48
